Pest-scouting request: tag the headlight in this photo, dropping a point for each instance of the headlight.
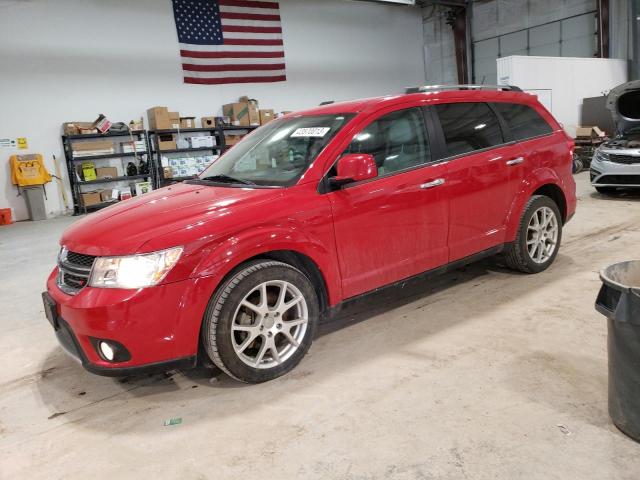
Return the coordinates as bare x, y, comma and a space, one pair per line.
135, 271
600, 156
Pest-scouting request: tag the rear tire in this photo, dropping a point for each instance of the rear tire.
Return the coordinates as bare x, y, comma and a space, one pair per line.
261, 321
538, 239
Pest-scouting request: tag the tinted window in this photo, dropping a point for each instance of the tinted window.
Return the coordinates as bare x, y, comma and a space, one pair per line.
523, 121
468, 127
396, 141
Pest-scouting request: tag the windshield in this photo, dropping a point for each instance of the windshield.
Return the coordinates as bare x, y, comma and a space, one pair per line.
277, 154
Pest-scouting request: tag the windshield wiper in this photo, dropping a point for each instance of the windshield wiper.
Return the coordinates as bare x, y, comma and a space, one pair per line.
227, 179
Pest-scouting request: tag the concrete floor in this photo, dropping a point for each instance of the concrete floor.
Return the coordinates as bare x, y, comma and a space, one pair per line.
483, 374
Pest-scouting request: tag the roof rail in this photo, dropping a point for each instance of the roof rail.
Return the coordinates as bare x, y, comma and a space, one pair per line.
427, 88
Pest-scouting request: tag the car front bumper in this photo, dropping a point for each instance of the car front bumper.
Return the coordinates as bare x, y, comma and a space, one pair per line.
610, 174
159, 326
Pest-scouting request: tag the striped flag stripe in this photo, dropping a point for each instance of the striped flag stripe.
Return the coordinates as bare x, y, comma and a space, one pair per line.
251, 41
233, 61
230, 48
250, 23
247, 3
218, 81
255, 11
249, 16
245, 73
257, 36
187, 53
232, 67
245, 29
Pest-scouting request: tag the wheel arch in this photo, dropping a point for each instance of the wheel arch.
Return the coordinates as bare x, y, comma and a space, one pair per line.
545, 182
555, 193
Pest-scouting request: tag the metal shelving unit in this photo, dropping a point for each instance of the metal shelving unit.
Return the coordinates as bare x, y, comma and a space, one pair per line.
72, 162
219, 148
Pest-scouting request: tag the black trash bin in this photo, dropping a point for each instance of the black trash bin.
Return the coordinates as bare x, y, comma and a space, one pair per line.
619, 301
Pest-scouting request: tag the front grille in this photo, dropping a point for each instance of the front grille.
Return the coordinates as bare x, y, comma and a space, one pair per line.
80, 259
625, 159
619, 180
73, 271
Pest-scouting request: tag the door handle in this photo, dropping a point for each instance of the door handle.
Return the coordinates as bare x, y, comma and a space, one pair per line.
515, 161
434, 183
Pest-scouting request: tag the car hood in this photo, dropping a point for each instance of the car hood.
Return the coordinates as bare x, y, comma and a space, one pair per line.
124, 228
624, 104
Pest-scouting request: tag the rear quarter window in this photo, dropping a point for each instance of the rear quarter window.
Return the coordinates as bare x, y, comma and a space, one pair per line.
523, 121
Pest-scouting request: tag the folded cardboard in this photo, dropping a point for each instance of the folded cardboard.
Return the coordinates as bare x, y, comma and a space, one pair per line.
106, 172
266, 115
187, 122
589, 132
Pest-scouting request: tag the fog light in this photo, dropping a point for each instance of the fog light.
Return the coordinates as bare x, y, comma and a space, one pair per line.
107, 351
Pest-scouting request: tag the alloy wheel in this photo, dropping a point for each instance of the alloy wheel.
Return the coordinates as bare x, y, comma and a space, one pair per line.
269, 324
542, 235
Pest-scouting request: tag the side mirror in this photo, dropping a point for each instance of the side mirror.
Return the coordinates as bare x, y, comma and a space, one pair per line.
354, 167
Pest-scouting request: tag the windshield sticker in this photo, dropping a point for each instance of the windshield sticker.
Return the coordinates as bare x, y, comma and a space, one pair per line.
311, 132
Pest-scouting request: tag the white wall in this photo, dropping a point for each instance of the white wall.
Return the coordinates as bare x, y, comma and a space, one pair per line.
67, 60
566, 81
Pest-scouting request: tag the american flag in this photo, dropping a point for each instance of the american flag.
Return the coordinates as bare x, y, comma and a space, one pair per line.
230, 41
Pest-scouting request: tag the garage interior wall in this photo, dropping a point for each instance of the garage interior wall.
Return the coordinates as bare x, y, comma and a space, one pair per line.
439, 47
70, 61
560, 28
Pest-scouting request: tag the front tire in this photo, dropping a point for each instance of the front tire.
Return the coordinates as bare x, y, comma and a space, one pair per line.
538, 239
261, 321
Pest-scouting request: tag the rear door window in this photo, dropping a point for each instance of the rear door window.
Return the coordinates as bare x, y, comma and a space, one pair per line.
523, 121
468, 127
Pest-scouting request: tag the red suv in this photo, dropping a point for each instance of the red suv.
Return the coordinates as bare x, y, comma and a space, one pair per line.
309, 211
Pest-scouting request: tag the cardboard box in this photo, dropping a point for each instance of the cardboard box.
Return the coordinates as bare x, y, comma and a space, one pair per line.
78, 128
167, 145
158, 118
187, 122
93, 147
266, 115
108, 195
167, 142
232, 139
91, 198
167, 172
174, 120
208, 122
242, 114
106, 172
